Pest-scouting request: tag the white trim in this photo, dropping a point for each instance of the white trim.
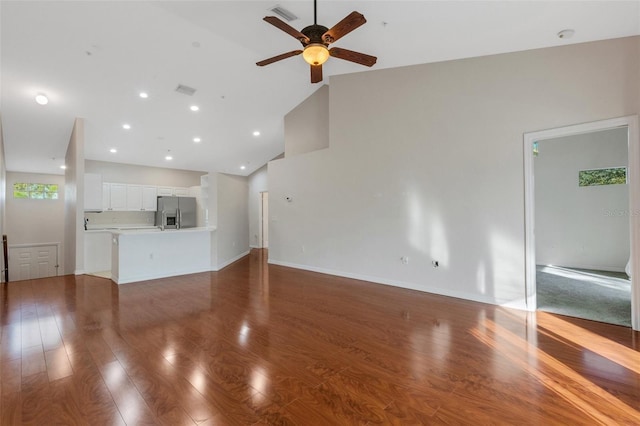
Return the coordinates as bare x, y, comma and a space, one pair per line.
32, 245
517, 304
147, 277
234, 259
631, 122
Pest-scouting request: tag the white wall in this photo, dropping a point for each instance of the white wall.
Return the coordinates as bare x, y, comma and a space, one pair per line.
258, 183
232, 234
306, 128
582, 227
3, 197
35, 221
426, 162
143, 175
74, 201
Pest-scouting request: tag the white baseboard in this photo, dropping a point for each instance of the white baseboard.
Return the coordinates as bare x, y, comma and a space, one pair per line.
592, 267
146, 277
230, 261
515, 304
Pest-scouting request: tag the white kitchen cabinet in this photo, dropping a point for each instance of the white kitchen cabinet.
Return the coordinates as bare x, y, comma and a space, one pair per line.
142, 198
106, 196
134, 197
149, 198
181, 192
165, 191
92, 192
114, 196
97, 251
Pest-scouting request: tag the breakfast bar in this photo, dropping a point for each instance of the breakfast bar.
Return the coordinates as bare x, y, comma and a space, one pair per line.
138, 255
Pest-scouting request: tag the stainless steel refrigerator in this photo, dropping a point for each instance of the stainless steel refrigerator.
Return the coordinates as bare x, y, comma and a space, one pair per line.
176, 212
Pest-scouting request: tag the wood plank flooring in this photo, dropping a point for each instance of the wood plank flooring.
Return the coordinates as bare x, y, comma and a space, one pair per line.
267, 345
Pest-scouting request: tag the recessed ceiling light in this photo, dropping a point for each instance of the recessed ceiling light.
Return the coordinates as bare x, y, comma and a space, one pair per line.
194, 108
256, 133
113, 150
242, 167
168, 158
63, 167
568, 33
197, 140
42, 99
144, 95
126, 126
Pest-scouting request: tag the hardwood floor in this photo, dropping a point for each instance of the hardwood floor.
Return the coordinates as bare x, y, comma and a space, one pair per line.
261, 344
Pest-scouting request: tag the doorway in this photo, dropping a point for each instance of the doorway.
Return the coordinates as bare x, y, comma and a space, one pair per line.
264, 220
628, 125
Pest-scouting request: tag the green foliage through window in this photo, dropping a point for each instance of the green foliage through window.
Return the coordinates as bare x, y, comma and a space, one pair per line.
36, 191
611, 176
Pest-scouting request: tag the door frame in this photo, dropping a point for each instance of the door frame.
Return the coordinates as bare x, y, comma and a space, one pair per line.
633, 147
261, 219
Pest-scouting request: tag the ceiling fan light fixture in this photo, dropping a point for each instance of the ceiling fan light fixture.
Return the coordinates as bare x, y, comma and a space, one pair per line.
315, 54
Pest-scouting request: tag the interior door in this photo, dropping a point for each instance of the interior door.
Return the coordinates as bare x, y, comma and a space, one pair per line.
31, 262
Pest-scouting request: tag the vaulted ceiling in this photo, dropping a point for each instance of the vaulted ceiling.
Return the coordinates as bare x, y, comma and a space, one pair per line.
93, 58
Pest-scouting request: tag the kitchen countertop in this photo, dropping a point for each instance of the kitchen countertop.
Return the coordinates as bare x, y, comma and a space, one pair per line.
141, 229
118, 227
156, 230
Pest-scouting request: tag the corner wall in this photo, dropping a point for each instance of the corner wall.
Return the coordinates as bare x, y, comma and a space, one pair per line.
3, 195
306, 127
74, 201
426, 162
258, 183
232, 219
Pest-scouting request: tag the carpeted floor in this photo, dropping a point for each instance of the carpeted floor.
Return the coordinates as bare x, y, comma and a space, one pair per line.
593, 295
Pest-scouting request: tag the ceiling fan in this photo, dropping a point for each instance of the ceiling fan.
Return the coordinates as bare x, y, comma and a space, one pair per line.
315, 40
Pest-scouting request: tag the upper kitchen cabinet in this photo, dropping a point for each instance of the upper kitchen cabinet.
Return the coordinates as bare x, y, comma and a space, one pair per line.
114, 196
134, 197
142, 198
168, 191
149, 198
93, 192
165, 191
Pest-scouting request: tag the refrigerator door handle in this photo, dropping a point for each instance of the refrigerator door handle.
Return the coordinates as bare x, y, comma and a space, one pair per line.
179, 219
163, 215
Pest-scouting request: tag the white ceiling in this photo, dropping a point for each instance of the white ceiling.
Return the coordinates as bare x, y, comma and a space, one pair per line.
92, 58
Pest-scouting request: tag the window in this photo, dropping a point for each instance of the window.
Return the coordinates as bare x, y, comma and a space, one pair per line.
610, 176
36, 191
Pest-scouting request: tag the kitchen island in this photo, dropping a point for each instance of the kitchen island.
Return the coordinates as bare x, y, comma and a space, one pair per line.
138, 255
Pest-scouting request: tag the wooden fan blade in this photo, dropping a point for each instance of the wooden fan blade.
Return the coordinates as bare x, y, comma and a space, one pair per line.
278, 23
344, 27
316, 73
278, 58
350, 55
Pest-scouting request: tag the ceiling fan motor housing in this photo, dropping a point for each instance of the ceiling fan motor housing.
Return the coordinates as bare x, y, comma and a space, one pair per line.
314, 33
